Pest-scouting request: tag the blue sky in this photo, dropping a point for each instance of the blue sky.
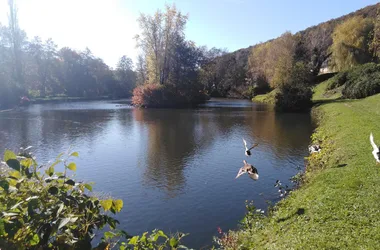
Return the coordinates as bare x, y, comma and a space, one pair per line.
107, 27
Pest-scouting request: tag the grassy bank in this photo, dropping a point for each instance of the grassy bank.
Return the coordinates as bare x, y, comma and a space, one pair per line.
322, 94
338, 205
268, 98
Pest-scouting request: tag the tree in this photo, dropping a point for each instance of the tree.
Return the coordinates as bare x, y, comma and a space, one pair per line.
375, 45
158, 41
351, 41
125, 76
16, 38
44, 58
271, 62
316, 43
141, 70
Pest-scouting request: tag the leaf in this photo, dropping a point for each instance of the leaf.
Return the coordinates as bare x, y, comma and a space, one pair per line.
73, 219
4, 184
122, 248
16, 205
75, 154
9, 214
50, 171
35, 240
61, 206
13, 163
106, 204
72, 166
108, 235
15, 174
118, 205
27, 162
63, 222
173, 242
31, 198
133, 240
143, 237
53, 190
9, 155
88, 186
158, 234
70, 182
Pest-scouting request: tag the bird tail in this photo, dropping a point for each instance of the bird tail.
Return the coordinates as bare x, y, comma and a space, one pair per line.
372, 142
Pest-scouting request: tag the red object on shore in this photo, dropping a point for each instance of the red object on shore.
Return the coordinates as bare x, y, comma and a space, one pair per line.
24, 100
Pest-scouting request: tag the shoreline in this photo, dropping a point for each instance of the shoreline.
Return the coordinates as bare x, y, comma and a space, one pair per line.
338, 199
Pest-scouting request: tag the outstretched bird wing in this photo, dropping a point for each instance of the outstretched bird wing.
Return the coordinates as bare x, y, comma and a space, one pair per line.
373, 143
245, 144
241, 172
255, 145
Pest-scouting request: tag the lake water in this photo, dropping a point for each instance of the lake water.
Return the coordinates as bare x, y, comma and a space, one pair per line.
174, 168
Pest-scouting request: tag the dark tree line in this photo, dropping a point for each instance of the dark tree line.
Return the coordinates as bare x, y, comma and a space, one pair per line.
36, 68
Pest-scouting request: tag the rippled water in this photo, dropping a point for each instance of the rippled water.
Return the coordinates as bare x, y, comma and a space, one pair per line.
174, 168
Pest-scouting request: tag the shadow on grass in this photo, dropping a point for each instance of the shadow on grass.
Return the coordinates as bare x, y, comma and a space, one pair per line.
341, 165
317, 103
300, 211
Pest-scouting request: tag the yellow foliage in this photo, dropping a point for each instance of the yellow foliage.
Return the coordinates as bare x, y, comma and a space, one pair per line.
273, 60
351, 43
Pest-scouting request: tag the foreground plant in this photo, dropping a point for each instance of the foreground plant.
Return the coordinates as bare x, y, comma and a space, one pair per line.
41, 208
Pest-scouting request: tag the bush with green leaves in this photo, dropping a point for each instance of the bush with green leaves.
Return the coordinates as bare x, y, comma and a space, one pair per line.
359, 82
41, 208
296, 94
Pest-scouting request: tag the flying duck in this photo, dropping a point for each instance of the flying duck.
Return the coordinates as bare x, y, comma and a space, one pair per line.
250, 170
376, 149
248, 150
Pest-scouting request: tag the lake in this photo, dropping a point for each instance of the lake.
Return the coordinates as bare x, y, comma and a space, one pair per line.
174, 168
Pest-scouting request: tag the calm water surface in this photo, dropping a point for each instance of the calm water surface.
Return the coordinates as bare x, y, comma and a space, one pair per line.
173, 168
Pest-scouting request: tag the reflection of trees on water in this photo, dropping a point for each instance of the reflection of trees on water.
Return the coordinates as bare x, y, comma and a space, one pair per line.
175, 136
52, 129
284, 132
170, 143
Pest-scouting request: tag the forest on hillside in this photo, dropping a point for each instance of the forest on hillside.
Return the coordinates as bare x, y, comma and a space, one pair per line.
236, 75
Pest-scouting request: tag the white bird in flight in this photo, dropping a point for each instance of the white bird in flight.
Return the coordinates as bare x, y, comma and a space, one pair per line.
376, 149
248, 150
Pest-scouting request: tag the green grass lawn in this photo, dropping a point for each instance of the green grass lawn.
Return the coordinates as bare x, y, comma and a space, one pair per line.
340, 198
321, 93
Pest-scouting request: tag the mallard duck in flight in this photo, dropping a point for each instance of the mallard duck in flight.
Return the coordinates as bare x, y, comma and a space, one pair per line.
376, 149
248, 150
250, 170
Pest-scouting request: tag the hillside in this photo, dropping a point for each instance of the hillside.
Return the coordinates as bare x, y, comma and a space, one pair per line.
230, 73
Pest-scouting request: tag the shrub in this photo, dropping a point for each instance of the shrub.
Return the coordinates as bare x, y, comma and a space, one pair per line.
156, 95
293, 98
296, 94
359, 82
337, 80
50, 210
